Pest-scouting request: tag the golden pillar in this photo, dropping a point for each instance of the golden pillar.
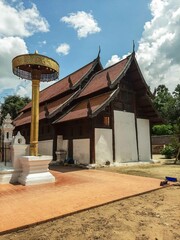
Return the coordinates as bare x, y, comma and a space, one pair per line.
34, 118
37, 68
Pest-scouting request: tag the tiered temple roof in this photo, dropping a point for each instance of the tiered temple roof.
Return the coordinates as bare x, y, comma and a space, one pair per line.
89, 90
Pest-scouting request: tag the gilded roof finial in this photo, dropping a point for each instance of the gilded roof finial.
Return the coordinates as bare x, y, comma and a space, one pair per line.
99, 51
133, 46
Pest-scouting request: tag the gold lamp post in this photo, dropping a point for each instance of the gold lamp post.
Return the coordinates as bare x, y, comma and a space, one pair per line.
37, 68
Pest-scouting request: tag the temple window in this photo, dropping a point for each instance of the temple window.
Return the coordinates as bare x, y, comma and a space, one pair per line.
106, 121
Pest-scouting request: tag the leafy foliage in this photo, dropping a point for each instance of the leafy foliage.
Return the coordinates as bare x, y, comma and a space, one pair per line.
162, 129
168, 151
163, 102
168, 105
12, 105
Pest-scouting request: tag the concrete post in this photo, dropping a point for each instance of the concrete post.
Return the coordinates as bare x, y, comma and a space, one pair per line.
18, 149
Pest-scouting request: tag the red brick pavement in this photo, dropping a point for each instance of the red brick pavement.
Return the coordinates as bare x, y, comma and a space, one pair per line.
73, 191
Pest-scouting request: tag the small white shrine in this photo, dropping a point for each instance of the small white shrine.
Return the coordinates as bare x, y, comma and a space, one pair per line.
27, 170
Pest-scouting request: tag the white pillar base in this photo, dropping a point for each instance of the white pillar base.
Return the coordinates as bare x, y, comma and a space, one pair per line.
8, 175
35, 170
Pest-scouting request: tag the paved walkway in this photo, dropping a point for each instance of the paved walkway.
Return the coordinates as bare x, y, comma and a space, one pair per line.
73, 191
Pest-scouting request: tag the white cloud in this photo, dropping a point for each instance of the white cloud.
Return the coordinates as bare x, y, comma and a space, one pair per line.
63, 48
83, 22
114, 59
9, 48
16, 22
158, 52
20, 21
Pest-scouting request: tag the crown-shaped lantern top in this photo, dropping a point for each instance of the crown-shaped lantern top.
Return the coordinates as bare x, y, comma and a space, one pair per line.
30, 66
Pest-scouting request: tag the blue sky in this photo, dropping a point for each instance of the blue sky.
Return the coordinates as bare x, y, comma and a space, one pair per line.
71, 32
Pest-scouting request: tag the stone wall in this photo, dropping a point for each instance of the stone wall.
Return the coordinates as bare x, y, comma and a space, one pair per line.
158, 142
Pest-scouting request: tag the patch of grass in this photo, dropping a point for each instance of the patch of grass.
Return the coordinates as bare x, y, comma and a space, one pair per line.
149, 170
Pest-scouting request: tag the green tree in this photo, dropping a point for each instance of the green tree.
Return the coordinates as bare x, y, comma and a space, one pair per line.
168, 106
12, 105
163, 102
175, 117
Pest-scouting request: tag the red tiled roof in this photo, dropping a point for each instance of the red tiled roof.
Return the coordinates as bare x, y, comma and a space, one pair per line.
22, 119
81, 110
62, 85
25, 118
99, 80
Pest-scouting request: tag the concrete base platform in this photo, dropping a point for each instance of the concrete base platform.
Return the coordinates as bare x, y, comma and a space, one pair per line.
74, 190
35, 170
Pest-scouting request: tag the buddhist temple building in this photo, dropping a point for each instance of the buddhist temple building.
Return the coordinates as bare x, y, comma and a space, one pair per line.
96, 115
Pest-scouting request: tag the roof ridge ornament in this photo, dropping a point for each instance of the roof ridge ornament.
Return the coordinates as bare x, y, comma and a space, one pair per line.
108, 79
99, 52
133, 47
89, 109
70, 82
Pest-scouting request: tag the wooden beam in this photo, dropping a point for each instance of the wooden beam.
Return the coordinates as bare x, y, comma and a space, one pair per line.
136, 128
92, 142
113, 132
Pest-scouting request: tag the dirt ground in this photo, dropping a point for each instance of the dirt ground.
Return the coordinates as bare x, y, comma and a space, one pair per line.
154, 215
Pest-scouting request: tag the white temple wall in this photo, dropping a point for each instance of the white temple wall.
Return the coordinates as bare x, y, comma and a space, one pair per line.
125, 137
65, 145
103, 145
81, 151
62, 144
144, 139
45, 147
